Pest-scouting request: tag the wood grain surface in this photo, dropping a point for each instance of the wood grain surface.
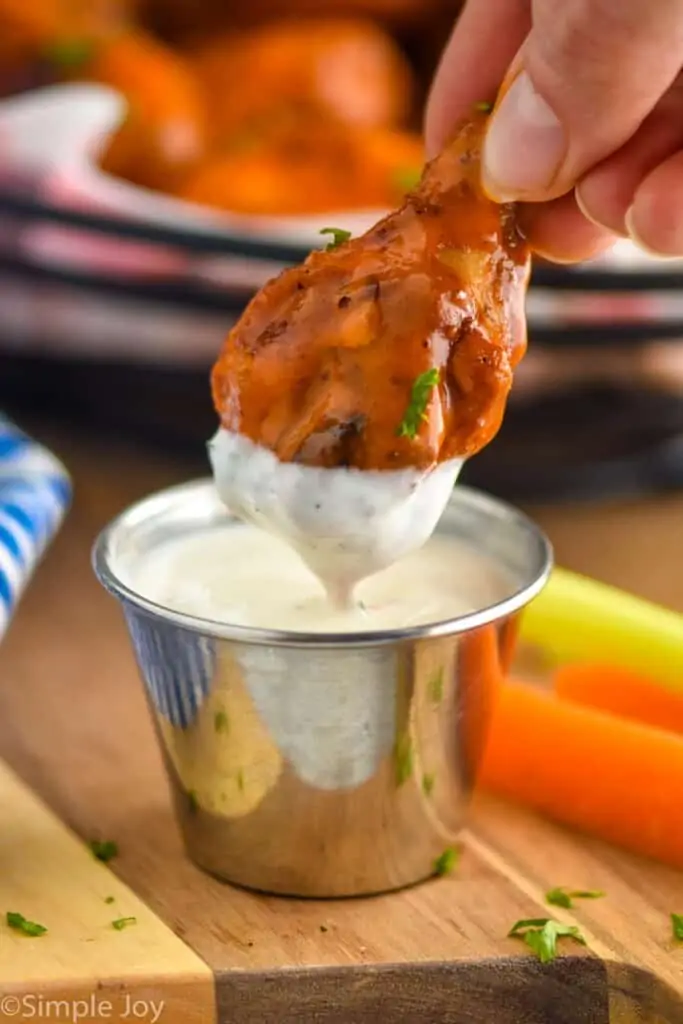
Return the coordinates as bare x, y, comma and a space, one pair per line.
74, 727
52, 878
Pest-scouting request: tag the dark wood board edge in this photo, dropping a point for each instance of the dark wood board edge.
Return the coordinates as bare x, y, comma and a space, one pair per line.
640, 996
570, 990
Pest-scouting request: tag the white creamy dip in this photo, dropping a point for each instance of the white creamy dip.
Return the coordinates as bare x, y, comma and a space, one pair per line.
346, 524
240, 575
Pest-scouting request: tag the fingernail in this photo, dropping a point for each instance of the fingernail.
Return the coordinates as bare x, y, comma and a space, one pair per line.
524, 146
636, 238
581, 203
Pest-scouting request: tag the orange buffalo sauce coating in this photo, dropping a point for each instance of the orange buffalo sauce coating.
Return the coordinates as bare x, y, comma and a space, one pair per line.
320, 369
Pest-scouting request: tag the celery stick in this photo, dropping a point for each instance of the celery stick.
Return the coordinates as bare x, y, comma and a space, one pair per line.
578, 619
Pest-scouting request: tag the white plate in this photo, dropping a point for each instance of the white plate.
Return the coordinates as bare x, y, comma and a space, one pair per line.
63, 129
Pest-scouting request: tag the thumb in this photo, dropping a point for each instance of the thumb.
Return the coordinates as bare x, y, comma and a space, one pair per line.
585, 78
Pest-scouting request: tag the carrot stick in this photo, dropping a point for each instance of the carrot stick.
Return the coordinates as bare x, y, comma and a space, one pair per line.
620, 692
578, 619
618, 780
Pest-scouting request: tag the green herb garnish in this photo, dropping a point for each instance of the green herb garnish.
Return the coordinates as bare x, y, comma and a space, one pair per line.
541, 935
240, 780
407, 178
104, 849
428, 784
193, 801
69, 53
403, 758
123, 922
420, 393
563, 897
220, 721
339, 236
483, 106
20, 924
436, 687
446, 861
109, 899
677, 926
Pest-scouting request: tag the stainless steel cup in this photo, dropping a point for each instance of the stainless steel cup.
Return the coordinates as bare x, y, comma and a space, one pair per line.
317, 765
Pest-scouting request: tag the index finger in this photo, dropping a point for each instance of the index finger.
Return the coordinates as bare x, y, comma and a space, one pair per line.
486, 38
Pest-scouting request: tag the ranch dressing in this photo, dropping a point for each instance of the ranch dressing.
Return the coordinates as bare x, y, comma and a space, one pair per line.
346, 524
241, 575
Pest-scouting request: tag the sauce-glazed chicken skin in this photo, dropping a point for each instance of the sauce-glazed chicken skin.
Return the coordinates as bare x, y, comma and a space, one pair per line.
392, 350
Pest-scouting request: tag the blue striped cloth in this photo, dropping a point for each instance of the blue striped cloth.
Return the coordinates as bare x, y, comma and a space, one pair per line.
35, 492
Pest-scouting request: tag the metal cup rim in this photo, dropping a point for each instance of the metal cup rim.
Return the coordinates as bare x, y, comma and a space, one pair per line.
142, 509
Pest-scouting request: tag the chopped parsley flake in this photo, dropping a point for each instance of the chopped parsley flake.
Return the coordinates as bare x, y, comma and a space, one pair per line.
70, 53
563, 897
339, 236
420, 394
123, 922
446, 861
20, 924
407, 178
220, 722
104, 849
541, 936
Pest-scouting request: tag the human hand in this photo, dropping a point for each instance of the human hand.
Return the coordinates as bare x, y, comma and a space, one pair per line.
589, 120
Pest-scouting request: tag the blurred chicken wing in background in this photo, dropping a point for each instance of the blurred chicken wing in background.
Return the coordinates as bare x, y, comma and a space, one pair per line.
351, 70
281, 110
165, 131
302, 163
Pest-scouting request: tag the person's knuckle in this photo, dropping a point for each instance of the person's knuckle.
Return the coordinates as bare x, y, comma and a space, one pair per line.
585, 35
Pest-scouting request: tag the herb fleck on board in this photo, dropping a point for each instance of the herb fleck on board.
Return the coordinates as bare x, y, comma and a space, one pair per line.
561, 896
541, 935
446, 861
123, 922
104, 849
18, 923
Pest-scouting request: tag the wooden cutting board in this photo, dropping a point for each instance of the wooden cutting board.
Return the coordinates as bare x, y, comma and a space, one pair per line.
78, 761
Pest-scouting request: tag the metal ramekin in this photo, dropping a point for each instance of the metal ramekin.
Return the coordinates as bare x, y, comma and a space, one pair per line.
319, 765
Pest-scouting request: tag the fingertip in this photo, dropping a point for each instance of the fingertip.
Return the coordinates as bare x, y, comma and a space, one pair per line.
597, 215
559, 232
475, 59
640, 233
655, 218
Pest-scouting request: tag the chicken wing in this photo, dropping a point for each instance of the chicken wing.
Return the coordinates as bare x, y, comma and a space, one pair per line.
350, 69
165, 131
304, 163
392, 350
